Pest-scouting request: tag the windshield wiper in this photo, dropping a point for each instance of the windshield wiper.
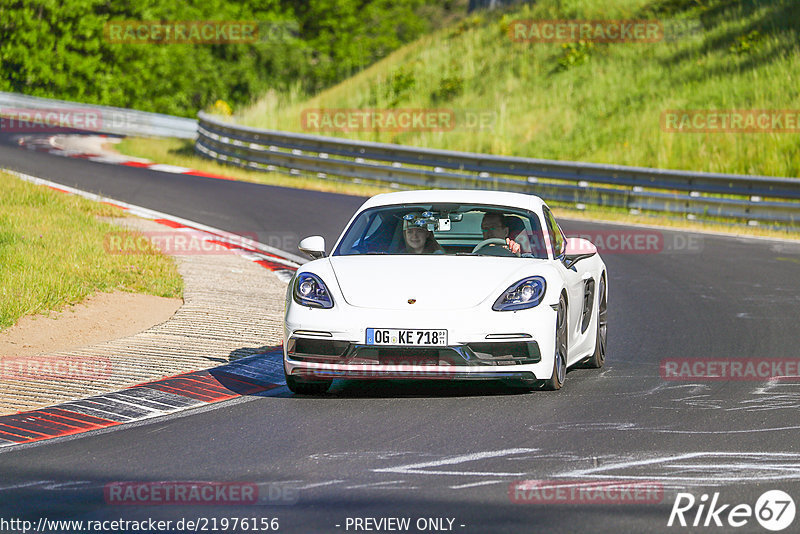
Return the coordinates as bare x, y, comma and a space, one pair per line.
376, 252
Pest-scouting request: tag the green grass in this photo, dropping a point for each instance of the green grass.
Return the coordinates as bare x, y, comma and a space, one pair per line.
600, 103
52, 253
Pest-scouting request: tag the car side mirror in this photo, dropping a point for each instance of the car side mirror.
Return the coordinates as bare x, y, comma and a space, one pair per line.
577, 249
314, 246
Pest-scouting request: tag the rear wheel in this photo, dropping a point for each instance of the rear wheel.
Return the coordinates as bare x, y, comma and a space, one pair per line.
307, 387
599, 357
560, 360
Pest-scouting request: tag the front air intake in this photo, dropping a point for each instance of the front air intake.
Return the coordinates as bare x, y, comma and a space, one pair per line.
317, 347
509, 353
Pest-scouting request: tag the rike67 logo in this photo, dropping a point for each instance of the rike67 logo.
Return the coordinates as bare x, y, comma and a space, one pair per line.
774, 510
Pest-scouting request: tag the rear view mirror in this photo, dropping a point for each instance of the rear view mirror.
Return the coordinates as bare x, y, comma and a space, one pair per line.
578, 249
314, 246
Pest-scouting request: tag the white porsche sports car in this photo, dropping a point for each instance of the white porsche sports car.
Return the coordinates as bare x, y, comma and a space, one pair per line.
446, 284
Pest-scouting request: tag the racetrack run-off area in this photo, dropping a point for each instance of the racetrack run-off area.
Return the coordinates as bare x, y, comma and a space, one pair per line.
453, 450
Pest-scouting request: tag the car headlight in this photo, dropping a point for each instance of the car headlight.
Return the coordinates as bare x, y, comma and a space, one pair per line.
526, 293
309, 290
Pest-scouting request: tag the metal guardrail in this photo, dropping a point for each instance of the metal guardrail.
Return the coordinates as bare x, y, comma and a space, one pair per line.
111, 120
741, 198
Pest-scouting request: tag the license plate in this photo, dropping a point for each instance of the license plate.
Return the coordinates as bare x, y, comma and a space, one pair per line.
411, 338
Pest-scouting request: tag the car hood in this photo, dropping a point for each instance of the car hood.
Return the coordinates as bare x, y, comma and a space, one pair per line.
434, 282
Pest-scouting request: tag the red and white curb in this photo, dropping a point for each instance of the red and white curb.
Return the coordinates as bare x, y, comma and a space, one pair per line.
253, 375
60, 145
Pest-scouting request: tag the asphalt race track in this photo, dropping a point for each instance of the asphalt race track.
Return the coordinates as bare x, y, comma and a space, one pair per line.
451, 450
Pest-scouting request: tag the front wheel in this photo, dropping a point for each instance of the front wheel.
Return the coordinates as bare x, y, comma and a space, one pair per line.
306, 387
560, 360
597, 359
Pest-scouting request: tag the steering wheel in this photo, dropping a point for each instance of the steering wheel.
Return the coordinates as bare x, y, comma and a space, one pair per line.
493, 242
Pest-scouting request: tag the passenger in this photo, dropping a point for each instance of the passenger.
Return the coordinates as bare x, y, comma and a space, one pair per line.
420, 240
494, 226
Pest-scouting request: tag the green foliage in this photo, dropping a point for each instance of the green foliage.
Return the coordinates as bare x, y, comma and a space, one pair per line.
401, 83
746, 44
449, 88
57, 49
575, 54
220, 107
672, 7
469, 23
343, 37
504, 24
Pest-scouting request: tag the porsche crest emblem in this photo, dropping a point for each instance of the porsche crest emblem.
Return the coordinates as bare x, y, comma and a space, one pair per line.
412, 301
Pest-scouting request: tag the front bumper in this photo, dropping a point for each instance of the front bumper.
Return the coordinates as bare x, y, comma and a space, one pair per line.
326, 344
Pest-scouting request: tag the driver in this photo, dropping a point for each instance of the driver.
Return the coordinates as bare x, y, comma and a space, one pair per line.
494, 226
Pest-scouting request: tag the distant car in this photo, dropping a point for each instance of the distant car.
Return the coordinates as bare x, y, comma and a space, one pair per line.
446, 284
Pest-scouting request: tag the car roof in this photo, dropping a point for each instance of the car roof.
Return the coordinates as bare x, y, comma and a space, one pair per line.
465, 196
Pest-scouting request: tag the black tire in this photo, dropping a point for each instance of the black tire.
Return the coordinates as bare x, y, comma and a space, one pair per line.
523, 385
560, 361
307, 387
599, 357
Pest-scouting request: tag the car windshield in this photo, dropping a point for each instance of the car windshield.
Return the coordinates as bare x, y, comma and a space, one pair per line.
445, 229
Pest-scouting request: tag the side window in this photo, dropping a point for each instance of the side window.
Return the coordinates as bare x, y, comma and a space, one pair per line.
369, 232
556, 237
376, 222
536, 237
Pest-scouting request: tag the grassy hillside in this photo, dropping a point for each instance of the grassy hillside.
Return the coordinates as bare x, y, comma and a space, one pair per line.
588, 101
